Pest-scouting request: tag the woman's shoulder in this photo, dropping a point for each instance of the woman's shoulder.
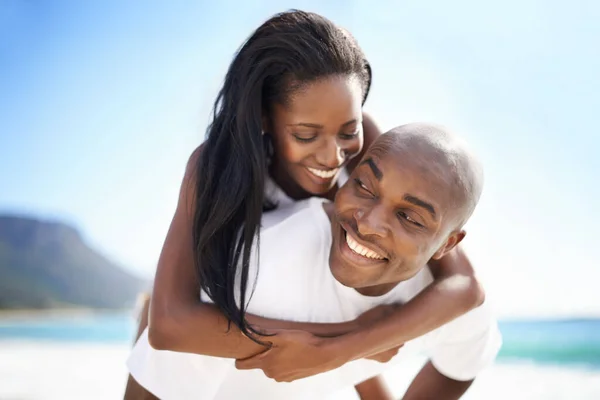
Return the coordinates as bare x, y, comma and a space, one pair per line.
187, 192
194, 158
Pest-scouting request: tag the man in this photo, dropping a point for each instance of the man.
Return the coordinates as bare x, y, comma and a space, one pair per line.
405, 204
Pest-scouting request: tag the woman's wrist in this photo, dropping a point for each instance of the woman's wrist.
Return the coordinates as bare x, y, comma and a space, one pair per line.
348, 347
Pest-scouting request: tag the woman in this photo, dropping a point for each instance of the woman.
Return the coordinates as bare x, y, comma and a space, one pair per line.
287, 124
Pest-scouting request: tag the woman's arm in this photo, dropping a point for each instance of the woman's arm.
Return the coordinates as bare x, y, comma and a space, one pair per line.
178, 320
454, 292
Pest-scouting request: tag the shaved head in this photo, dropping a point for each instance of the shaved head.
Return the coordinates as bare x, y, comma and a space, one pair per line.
441, 154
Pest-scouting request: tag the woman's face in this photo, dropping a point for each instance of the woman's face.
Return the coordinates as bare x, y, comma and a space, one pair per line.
315, 135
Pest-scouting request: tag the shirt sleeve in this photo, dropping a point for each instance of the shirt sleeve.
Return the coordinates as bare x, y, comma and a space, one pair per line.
467, 345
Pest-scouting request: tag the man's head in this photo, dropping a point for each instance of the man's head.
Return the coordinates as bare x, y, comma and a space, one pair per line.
405, 204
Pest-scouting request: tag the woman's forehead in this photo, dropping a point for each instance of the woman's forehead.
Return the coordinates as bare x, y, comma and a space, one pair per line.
335, 94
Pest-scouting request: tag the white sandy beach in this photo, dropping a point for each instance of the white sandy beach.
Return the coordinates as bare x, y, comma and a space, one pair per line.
57, 371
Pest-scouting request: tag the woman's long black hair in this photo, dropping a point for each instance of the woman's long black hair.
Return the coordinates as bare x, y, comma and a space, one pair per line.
288, 51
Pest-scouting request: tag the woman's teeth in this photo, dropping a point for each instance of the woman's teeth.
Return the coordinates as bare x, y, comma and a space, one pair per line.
322, 173
361, 250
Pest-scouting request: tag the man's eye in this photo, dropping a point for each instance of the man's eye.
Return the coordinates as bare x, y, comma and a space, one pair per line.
408, 218
362, 186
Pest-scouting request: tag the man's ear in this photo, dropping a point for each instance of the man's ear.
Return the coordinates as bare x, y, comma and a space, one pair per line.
454, 239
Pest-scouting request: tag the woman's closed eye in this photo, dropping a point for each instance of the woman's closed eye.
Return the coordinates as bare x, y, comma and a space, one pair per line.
305, 138
349, 136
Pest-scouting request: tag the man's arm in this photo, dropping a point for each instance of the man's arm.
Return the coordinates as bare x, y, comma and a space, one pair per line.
459, 353
431, 384
374, 389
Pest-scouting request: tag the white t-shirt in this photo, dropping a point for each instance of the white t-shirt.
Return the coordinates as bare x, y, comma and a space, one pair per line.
295, 283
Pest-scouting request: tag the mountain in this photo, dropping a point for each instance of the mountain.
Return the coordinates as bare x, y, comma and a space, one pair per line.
48, 265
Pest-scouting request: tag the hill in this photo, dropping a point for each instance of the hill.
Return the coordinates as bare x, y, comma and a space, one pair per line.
48, 265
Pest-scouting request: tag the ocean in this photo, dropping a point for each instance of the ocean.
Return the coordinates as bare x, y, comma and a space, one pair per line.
82, 357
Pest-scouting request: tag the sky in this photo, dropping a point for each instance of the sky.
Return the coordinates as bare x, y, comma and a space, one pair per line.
102, 102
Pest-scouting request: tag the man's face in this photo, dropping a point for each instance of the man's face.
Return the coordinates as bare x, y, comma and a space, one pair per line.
391, 217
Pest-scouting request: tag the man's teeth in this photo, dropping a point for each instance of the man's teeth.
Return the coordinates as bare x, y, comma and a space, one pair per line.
325, 174
361, 250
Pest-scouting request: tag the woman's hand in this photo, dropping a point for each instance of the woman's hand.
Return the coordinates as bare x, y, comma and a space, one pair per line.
297, 354
294, 355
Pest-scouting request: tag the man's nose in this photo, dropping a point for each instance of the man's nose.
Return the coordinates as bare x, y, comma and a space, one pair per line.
370, 221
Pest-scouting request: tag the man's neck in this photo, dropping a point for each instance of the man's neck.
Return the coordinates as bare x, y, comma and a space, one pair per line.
329, 210
378, 290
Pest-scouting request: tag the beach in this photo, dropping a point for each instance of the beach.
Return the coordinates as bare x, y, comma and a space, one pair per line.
83, 357
62, 371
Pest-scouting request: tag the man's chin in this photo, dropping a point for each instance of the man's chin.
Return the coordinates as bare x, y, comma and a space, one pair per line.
343, 274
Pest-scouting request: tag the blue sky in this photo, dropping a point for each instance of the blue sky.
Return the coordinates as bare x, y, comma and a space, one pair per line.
101, 104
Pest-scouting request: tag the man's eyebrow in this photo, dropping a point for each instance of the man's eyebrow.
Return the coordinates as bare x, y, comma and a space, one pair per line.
374, 168
420, 203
